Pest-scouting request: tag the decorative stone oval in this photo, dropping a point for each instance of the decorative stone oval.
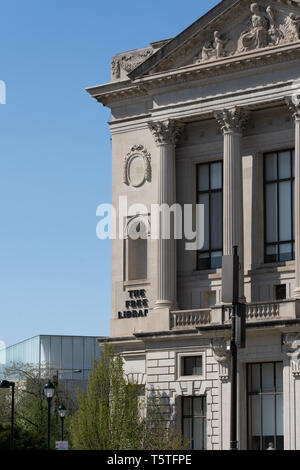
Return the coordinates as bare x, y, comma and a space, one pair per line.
136, 171
137, 166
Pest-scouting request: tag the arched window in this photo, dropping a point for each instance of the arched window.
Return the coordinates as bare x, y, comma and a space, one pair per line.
137, 250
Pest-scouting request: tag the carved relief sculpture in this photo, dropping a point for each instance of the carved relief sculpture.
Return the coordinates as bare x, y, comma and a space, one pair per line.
267, 27
137, 167
256, 36
292, 25
128, 62
216, 49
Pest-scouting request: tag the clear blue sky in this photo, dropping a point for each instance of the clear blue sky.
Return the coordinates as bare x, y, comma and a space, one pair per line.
55, 165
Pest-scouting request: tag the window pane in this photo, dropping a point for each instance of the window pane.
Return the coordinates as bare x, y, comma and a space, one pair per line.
293, 196
203, 177
279, 377
268, 412
255, 412
271, 213
192, 365
255, 377
187, 406
279, 415
203, 261
188, 365
267, 376
216, 221
271, 166
198, 366
293, 163
272, 254
216, 175
285, 211
284, 165
204, 199
216, 260
187, 431
198, 435
285, 252
198, 407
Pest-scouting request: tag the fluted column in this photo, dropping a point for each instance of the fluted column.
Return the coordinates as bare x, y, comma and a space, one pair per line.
166, 134
294, 106
232, 122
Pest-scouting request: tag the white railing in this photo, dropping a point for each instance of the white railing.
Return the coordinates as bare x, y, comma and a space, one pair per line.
257, 311
190, 318
262, 311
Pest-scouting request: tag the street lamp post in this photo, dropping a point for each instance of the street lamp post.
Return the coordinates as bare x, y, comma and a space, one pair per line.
49, 393
7, 384
62, 411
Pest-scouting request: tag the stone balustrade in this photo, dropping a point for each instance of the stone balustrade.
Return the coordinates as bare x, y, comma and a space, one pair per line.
255, 312
190, 318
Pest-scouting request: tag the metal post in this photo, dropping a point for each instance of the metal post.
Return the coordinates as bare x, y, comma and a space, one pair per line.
62, 428
48, 423
12, 384
233, 414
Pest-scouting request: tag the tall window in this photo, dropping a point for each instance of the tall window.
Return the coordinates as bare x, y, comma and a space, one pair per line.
194, 422
137, 251
279, 176
210, 193
265, 406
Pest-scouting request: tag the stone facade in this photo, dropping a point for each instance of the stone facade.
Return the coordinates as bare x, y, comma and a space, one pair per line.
225, 89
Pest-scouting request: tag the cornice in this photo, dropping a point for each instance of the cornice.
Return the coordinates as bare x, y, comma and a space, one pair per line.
126, 90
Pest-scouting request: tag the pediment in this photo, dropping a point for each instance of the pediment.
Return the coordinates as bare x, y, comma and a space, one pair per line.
230, 29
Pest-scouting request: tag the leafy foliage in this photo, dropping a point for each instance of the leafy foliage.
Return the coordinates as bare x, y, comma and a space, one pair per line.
31, 407
111, 416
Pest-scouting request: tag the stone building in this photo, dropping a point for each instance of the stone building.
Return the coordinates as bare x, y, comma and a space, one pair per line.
212, 117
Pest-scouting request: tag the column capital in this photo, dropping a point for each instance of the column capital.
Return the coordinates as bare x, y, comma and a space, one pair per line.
293, 103
166, 132
232, 120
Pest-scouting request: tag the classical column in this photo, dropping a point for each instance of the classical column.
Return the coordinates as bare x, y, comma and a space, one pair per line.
166, 134
293, 103
232, 122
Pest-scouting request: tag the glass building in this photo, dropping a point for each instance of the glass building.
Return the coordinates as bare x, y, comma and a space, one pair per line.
69, 357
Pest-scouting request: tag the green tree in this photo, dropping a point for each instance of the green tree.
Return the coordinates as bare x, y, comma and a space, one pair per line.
110, 415
31, 406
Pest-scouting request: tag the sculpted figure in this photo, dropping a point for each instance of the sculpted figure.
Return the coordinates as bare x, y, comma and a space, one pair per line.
275, 34
207, 51
256, 36
219, 45
293, 27
214, 50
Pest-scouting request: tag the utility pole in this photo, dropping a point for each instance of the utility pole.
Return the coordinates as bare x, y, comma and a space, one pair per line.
230, 295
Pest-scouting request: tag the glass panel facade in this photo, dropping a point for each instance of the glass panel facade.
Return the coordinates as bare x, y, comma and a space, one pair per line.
194, 422
279, 175
210, 194
265, 406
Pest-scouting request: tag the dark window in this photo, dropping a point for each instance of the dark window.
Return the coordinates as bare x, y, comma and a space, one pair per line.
192, 365
280, 292
265, 406
194, 422
137, 248
210, 193
279, 177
